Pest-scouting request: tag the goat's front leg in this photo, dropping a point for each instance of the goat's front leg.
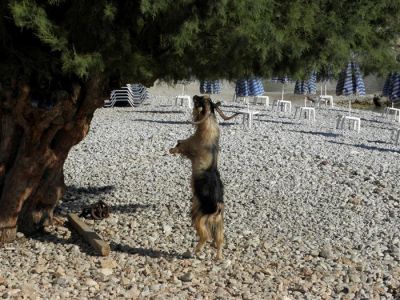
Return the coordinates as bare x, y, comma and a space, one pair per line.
182, 147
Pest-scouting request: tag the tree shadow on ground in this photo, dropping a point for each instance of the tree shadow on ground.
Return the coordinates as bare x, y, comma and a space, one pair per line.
343, 110
276, 122
227, 124
379, 142
77, 198
162, 122
372, 120
367, 147
91, 190
84, 247
45, 236
384, 125
377, 127
326, 134
234, 106
74, 239
157, 112
130, 208
117, 247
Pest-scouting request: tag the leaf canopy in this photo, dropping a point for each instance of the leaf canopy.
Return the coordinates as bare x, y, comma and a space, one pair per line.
141, 41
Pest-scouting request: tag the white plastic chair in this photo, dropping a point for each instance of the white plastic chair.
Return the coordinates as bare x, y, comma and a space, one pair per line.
395, 136
391, 111
183, 98
261, 99
309, 112
353, 122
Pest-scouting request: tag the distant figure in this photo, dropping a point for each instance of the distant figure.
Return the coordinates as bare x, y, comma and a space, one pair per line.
312, 99
377, 101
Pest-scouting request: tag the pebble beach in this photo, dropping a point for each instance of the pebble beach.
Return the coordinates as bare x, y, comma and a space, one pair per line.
311, 212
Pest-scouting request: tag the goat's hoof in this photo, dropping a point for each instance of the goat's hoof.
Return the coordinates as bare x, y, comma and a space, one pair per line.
218, 257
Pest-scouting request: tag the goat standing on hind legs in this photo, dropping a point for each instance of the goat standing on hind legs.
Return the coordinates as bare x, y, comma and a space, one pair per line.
208, 191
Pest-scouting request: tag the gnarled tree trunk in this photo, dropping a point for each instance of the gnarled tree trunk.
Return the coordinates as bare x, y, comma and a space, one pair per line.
34, 144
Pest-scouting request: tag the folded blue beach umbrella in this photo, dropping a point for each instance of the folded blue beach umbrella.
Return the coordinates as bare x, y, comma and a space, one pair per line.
360, 86
249, 87
306, 87
394, 95
312, 83
300, 87
210, 86
350, 81
391, 88
387, 87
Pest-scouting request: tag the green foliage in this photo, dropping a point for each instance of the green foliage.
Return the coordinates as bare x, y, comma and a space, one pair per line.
80, 64
171, 40
109, 11
28, 15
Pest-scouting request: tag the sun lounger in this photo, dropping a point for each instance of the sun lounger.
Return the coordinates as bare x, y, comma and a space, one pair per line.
134, 94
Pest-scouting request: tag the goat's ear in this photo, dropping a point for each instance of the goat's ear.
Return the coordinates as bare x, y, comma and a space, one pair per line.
195, 97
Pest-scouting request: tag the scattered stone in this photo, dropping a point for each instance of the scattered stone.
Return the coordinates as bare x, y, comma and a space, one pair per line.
62, 281
326, 252
125, 281
108, 264
60, 271
91, 282
105, 271
39, 269
133, 293
306, 271
220, 292
187, 254
167, 230
29, 291
356, 200
186, 277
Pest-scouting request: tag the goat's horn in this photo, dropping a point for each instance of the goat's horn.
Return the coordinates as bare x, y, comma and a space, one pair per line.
202, 120
223, 115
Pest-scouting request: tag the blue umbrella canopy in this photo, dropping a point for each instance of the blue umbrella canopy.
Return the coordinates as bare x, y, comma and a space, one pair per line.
301, 87
210, 86
312, 84
387, 87
249, 87
391, 88
304, 87
395, 88
350, 81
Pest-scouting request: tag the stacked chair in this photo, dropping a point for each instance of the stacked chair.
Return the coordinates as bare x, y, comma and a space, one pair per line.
134, 94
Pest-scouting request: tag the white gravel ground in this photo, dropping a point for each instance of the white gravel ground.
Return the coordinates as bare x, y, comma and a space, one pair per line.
311, 213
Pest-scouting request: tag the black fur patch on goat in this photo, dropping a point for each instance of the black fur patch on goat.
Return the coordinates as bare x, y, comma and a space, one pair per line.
209, 189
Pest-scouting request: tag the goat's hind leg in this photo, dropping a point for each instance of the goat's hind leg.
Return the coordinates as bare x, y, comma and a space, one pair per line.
218, 235
200, 225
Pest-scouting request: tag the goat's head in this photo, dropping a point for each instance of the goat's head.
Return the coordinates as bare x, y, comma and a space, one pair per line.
204, 107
